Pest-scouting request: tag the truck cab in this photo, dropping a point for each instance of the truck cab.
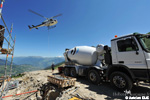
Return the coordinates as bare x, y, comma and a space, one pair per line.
130, 56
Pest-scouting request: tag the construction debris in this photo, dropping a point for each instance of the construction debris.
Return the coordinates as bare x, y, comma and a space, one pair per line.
61, 80
37, 80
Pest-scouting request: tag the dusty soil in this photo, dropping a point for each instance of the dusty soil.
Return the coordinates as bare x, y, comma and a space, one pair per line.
33, 80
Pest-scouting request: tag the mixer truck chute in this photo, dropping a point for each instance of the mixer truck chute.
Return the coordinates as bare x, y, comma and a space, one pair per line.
127, 61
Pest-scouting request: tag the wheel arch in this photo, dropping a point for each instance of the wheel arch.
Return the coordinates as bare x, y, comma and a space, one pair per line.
120, 68
76, 68
92, 68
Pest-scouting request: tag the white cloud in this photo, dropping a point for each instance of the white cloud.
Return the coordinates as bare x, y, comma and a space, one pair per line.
59, 56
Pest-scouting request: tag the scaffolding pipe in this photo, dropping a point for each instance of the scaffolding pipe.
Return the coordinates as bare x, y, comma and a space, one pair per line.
4, 87
8, 45
7, 52
1, 6
2, 29
12, 57
20, 94
6, 27
7, 40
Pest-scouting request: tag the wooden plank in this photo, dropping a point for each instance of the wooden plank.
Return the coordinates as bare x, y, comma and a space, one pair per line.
5, 51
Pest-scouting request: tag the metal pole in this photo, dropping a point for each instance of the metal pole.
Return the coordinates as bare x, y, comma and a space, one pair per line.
7, 41
6, 61
12, 57
12, 51
6, 27
1, 6
7, 54
6, 67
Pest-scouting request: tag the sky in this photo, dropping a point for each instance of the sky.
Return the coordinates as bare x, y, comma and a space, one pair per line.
84, 22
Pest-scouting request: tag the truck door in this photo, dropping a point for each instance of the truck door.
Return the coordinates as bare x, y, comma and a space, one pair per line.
130, 54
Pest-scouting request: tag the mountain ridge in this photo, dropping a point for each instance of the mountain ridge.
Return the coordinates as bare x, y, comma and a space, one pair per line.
37, 61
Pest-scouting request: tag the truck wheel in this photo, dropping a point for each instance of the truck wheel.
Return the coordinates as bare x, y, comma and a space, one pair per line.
73, 72
66, 71
121, 81
93, 77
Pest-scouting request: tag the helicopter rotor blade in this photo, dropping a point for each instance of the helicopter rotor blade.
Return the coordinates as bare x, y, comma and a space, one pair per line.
56, 15
37, 13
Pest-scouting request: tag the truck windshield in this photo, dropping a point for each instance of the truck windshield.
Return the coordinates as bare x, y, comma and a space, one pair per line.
145, 41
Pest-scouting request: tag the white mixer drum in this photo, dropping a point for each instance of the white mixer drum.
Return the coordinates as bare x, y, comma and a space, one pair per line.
83, 55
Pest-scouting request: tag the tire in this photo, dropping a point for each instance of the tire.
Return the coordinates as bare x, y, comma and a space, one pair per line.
121, 81
94, 77
73, 72
52, 95
45, 89
66, 72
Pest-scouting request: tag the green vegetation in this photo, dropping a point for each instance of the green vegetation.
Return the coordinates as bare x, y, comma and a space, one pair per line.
148, 33
41, 62
56, 66
17, 69
147, 42
26, 64
17, 76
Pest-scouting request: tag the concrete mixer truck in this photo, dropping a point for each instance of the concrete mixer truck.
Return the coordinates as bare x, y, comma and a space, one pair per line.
126, 62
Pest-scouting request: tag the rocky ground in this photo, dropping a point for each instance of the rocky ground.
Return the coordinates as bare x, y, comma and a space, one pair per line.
33, 80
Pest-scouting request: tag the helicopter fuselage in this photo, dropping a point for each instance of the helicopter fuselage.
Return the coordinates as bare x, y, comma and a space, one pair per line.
47, 23
50, 22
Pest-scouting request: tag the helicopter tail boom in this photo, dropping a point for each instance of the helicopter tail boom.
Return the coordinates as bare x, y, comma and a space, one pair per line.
29, 27
32, 27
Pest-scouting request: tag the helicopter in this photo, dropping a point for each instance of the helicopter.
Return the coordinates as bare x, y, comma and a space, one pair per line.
49, 22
